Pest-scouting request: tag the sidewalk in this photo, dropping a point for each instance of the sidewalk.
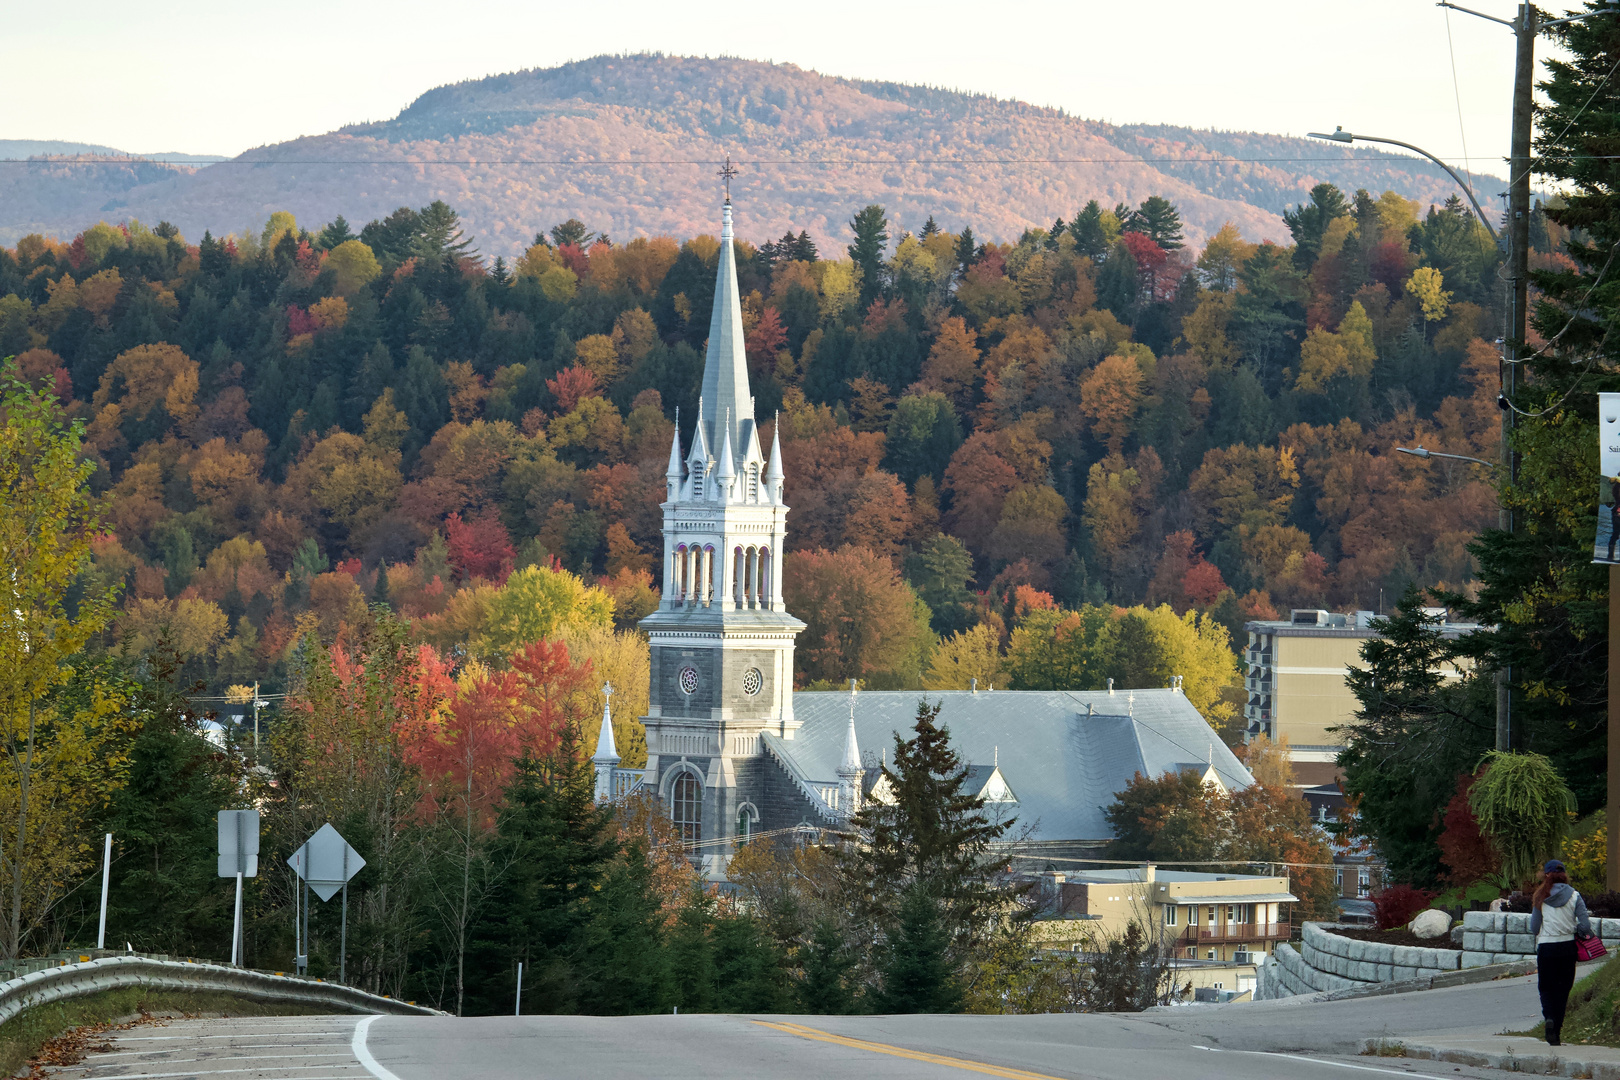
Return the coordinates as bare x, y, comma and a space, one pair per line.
1514, 1053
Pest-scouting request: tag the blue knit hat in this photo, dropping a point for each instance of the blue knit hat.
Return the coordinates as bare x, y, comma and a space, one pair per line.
1553, 866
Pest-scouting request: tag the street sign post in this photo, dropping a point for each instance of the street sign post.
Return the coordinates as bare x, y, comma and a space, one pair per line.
238, 858
325, 863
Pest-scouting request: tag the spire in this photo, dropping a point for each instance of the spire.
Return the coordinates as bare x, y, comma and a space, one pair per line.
674, 471
606, 758
726, 471
725, 365
852, 750
605, 750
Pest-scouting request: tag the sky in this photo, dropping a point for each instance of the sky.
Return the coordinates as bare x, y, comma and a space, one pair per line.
221, 76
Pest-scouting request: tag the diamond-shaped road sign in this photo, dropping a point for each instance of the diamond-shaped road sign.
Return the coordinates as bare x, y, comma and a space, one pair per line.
326, 862
238, 843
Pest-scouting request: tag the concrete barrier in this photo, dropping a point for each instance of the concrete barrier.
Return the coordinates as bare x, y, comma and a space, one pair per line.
1326, 962
117, 972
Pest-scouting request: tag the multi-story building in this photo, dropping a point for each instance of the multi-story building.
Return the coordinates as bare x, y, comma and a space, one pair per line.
1223, 918
1296, 683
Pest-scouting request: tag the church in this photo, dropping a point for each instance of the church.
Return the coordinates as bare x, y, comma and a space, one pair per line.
733, 751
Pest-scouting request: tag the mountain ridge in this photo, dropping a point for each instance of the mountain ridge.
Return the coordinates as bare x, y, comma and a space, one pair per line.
628, 144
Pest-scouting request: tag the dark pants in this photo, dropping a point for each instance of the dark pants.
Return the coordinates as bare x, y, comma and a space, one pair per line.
1555, 971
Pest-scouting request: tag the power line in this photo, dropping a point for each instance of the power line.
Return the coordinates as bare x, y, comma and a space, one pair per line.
1367, 156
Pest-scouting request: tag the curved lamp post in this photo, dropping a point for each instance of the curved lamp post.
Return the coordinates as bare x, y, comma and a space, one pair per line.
1340, 135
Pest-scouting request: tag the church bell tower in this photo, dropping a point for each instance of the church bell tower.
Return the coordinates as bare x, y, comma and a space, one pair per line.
721, 643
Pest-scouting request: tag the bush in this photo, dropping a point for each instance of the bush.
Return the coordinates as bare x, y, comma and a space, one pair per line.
1603, 905
1397, 905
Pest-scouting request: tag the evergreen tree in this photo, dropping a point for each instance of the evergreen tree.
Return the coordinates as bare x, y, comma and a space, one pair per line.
871, 230
1132, 973
1090, 237
930, 228
334, 234
440, 233
1308, 221
557, 846
1055, 232
924, 860
498, 273
804, 248
380, 593
1117, 284
572, 231
829, 966
1158, 220
966, 251
918, 973
1405, 703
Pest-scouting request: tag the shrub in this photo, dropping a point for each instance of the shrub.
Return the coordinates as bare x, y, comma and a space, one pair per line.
1603, 905
1397, 905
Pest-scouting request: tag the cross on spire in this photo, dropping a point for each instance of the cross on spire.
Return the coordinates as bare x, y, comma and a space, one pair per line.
726, 173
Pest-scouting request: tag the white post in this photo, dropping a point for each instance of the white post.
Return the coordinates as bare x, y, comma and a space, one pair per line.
517, 1010
106, 872
236, 933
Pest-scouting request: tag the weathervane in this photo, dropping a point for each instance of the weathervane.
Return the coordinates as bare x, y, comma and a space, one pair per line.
726, 173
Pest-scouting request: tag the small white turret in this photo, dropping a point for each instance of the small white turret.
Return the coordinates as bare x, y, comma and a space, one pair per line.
606, 758
849, 769
726, 470
773, 475
672, 476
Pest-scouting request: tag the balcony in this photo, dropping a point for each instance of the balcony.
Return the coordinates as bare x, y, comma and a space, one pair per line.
1198, 935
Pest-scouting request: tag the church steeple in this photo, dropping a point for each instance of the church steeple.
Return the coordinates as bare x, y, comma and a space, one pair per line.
725, 365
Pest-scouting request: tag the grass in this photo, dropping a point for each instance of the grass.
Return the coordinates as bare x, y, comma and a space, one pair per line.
1386, 1048
23, 1035
1594, 1010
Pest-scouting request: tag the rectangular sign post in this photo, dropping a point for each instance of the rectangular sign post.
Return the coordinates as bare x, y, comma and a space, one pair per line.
238, 858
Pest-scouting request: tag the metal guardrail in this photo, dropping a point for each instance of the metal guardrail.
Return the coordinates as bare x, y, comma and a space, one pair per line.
117, 972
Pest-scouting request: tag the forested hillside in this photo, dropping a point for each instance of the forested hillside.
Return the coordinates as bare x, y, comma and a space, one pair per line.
291, 423
512, 151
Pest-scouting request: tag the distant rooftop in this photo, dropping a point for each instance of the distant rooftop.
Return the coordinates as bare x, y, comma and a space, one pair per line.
1317, 622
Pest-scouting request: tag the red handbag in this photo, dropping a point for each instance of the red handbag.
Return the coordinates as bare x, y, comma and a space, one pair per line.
1590, 948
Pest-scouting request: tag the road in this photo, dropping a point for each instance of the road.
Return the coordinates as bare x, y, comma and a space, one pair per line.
1288, 1040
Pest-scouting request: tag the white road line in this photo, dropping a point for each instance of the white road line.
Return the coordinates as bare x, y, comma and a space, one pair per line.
212, 1072
169, 1038
1314, 1061
358, 1046
341, 1051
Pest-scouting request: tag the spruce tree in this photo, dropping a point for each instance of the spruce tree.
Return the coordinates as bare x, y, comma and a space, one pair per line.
871, 230
919, 974
334, 234
828, 965
380, 593
1158, 220
1055, 232
966, 251
930, 228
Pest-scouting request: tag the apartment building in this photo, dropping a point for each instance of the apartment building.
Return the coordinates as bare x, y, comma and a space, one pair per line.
1296, 682
1218, 918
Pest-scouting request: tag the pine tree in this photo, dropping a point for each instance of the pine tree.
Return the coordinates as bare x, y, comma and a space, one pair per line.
1309, 221
919, 975
572, 231
1090, 237
930, 228
1158, 220
1055, 231
439, 233
966, 251
871, 230
804, 248
380, 593
498, 273
334, 234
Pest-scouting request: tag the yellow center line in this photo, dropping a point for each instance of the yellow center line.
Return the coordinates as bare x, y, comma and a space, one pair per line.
896, 1051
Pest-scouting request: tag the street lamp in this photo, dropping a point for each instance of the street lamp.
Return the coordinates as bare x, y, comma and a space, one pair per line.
1340, 135
1421, 452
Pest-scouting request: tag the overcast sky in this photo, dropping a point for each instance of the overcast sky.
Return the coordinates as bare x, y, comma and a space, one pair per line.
220, 76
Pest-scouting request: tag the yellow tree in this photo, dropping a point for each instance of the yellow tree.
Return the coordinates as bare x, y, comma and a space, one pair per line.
1108, 398
1428, 285
61, 752
974, 653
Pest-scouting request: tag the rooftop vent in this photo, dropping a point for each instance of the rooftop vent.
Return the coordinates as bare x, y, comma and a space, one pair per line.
1309, 617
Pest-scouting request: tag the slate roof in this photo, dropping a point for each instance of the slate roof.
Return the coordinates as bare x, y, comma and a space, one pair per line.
1063, 764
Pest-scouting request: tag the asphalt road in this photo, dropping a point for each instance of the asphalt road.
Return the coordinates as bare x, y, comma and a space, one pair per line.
1264, 1041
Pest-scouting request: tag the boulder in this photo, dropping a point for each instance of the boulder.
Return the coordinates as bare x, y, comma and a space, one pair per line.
1430, 924
1457, 934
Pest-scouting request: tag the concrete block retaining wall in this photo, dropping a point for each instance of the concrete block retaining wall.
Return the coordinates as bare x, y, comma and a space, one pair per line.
1326, 961
1500, 937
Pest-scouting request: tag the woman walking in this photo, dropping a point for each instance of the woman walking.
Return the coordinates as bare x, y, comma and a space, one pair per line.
1557, 917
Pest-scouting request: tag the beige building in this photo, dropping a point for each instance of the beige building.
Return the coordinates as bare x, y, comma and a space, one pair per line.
1296, 683
1212, 918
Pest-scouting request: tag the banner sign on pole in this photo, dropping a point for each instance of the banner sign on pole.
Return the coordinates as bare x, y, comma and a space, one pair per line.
238, 843
1608, 523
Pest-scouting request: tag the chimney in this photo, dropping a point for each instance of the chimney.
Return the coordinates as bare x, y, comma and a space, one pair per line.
1150, 873
975, 686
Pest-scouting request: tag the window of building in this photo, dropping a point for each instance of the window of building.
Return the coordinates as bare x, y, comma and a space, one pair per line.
1338, 878
1212, 916
1192, 952
1214, 954
1363, 882
1220, 986
1169, 914
745, 826
1231, 913
686, 807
